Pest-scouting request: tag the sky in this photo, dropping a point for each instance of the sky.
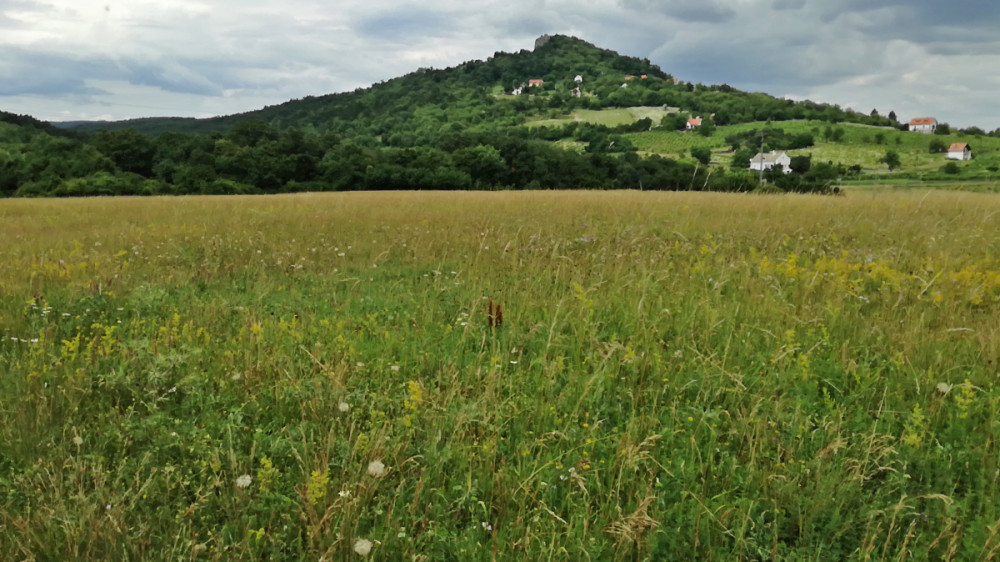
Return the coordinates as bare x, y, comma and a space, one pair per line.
63, 60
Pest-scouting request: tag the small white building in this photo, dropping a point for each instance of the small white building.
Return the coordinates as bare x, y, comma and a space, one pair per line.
766, 161
959, 151
578, 79
926, 125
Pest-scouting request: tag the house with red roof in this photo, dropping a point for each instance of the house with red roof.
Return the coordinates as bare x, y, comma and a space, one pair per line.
959, 151
926, 125
693, 123
534, 82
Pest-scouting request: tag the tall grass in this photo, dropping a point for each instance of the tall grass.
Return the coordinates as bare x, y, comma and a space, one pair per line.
676, 376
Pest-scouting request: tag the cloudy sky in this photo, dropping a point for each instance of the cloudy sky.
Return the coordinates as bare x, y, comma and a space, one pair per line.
117, 59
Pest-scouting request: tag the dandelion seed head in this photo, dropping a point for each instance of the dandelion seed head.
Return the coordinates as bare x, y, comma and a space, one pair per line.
77, 440
343, 407
362, 546
376, 469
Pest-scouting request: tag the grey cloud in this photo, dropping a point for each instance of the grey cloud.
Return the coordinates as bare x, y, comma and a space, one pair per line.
42, 74
711, 11
789, 4
405, 24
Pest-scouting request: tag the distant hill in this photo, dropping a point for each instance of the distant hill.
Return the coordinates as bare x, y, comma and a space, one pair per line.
567, 114
475, 96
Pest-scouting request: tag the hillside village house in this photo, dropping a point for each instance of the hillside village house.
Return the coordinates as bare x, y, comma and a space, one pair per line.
762, 161
693, 123
535, 82
926, 125
578, 79
959, 151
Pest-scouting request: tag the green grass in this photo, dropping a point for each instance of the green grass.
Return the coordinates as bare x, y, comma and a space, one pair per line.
607, 117
676, 376
857, 146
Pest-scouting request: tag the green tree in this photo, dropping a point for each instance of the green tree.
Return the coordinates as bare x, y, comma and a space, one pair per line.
129, 149
702, 154
891, 159
707, 127
741, 158
800, 164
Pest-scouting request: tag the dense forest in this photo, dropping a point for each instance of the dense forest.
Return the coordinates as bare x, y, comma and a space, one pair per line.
458, 128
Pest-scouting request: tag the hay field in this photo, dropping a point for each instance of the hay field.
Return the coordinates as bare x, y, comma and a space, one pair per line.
675, 376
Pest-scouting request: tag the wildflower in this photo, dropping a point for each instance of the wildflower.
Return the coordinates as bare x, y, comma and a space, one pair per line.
344, 494
486, 526
362, 546
343, 407
244, 481
376, 469
77, 440
943, 388
394, 368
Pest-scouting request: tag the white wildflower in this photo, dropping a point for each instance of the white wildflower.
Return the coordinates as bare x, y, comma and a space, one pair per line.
343, 407
363, 546
244, 481
394, 368
376, 469
77, 440
943, 388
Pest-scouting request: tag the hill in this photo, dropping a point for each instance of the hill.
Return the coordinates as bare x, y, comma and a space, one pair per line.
566, 115
475, 96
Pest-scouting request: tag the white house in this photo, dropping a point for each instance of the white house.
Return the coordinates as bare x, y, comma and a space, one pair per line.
926, 125
578, 79
693, 123
959, 151
763, 161
576, 92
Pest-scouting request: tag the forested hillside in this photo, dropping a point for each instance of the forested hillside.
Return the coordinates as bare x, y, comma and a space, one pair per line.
474, 96
513, 121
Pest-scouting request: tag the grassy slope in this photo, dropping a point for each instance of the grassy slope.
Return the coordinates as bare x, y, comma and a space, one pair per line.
608, 117
677, 376
857, 146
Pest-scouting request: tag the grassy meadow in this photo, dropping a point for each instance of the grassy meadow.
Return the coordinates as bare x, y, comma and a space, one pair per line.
674, 376
859, 146
607, 117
